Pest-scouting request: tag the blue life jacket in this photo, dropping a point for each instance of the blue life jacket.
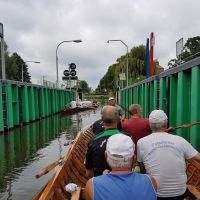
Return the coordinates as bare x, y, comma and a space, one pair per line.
130, 186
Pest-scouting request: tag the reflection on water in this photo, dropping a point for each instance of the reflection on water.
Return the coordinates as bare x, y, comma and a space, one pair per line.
25, 151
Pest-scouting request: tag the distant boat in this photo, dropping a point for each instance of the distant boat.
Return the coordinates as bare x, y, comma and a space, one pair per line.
70, 111
73, 171
77, 106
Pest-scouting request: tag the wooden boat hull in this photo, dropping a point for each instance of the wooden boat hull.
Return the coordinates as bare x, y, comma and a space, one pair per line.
193, 177
73, 171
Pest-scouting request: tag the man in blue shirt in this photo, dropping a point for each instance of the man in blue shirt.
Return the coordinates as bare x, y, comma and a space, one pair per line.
121, 183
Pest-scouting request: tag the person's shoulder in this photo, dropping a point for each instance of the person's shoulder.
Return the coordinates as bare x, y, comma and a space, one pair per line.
118, 106
178, 138
144, 120
126, 122
145, 139
125, 133
97, 122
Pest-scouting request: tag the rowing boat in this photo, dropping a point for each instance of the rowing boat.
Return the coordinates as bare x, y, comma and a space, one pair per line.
70, 111
73, 171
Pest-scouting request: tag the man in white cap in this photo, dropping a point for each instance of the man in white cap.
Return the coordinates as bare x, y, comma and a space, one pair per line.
163, 157
121, 183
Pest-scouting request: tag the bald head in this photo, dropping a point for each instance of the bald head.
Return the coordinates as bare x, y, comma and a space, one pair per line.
109, 115
135, 109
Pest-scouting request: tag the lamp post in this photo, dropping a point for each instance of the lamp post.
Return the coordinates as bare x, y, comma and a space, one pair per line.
76, 41
37, 62
126, 57
2, 52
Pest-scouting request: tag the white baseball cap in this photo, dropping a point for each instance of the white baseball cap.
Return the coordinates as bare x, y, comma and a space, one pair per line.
120, 147
157, 116
111, 98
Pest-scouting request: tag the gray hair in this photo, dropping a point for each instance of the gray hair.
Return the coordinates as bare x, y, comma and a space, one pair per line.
109, 114
125, 163
159, 125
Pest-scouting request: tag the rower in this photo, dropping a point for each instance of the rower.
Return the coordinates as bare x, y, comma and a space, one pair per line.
95, 160
163, 157
121, 183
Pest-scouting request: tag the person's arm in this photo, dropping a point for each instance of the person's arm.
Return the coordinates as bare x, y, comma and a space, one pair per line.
89, 190
140, 157
189, 151
154, 183
196, 157
89, 161
142, 168
122, 118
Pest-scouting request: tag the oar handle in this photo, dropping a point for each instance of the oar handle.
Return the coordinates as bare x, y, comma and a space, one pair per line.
41, 173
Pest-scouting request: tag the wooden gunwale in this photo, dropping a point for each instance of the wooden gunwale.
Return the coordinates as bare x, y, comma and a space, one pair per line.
73, 169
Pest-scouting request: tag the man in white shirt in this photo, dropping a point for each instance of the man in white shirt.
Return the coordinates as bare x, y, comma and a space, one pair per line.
163, 157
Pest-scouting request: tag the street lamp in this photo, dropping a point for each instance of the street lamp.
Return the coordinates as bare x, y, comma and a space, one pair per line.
126, 57
37, 62
2, 52
76, 41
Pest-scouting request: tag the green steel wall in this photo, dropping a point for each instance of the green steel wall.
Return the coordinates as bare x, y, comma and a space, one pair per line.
176, 91
23, 103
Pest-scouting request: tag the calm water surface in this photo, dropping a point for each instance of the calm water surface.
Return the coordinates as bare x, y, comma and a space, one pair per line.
25, 151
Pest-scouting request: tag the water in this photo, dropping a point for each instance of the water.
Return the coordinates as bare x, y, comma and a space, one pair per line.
25, 151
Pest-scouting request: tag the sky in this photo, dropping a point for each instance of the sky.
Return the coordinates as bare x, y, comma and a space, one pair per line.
34, 28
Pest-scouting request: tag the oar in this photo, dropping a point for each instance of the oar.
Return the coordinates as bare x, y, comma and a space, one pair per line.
68, 142
49, 168
170, 129
54, 164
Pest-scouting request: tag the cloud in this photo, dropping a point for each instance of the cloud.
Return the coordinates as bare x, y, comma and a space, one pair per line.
34, 28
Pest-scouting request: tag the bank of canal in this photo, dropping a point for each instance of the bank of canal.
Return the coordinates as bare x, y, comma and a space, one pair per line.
25, 151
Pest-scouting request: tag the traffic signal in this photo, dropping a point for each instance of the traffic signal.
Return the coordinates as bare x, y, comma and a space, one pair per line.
72, 66
66, 72
71, 73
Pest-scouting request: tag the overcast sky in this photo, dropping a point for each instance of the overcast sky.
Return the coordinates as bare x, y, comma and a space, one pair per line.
33, 28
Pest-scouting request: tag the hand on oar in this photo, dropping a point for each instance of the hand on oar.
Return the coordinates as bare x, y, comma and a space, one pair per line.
49, 168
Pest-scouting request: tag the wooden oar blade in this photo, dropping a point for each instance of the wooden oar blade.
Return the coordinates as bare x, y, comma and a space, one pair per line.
48, 168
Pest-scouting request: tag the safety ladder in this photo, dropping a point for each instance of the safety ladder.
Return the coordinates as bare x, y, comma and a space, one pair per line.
5, 110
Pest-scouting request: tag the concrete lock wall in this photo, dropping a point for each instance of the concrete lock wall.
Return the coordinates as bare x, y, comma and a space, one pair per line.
176, 91
21, 103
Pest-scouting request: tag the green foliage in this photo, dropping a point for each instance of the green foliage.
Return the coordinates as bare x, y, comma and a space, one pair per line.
110, 81
191, 50
14, 64
83, 85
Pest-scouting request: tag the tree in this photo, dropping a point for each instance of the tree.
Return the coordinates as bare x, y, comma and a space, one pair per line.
110, 81
84, 86
16, 64
172, 63
191, 50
